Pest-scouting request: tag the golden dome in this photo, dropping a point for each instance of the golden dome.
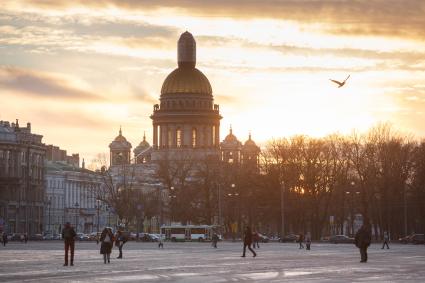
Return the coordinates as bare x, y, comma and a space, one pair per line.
186, 80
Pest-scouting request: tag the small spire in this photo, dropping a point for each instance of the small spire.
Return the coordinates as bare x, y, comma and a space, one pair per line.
249, 136
120, 131
17, 123
231, 131
84, 164
144, 136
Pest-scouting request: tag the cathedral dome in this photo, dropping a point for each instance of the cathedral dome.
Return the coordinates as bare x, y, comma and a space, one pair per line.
143, 145
120, 142
186, 80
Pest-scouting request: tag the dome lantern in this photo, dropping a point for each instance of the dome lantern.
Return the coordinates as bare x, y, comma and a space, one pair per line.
186, 50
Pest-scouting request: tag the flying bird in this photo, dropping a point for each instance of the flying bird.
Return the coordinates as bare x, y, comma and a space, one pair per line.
340, 84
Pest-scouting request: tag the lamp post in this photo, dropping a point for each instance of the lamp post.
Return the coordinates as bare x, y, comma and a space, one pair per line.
49, 202
109, 214
172, 196
97, 209
219, 205
76, 205
282, 207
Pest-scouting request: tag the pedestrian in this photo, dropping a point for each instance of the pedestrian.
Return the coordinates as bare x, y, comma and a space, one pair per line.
308, 241
386, 240
106, 239
26, 238
121, 239
214, 239
247, 241
301, 240
22, 237
362, 239
68, 235
4, 237
256, 239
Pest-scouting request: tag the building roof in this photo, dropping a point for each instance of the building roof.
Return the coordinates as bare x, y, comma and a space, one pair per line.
186, 80
120, 142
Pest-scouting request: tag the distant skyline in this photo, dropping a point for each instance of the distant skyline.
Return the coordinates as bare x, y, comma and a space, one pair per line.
77, 70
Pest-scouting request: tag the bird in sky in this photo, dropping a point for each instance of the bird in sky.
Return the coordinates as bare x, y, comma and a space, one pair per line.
340, 84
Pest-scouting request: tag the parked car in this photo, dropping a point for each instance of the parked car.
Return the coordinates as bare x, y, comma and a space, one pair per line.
413, 239
341, 239
417, 239
263, 238
35, 237
83, 237
290, 238
154, 237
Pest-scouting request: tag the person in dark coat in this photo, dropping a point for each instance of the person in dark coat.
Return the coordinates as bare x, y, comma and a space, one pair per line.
301, 240
362, 240
106, 239
120, 240
247, 241
68, 235
386, 240
308, 241
214, 239
256, 239
4, 236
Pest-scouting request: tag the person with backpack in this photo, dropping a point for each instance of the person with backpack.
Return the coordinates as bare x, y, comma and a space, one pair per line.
107, 240
68, 235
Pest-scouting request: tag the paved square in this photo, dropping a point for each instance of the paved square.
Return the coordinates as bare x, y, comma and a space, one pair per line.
199, 262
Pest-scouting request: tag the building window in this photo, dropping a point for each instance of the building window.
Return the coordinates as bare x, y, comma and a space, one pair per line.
194, 134
179, 137
213, 135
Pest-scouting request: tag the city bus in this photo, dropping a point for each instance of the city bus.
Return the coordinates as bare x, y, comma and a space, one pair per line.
181, 233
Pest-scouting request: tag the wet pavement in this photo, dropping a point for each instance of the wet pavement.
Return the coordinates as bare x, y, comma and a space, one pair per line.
199, 262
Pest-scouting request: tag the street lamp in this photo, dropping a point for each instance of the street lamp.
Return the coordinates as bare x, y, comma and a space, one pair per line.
97, 206
282, 207
76, 205
49, 202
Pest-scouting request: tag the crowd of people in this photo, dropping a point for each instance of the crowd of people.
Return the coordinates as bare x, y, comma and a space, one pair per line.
251, 241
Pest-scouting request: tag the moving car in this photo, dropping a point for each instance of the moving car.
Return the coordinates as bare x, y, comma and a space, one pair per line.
341, 239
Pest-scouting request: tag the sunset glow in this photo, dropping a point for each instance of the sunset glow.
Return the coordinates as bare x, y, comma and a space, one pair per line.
77, 72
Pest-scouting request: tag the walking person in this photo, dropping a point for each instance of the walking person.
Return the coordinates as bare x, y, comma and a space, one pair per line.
121, 239
308, 241
4, 237
214, 239
68, 235
256, 238
362, 239
106, 239
386, 240
26, 238
301, 240
247, 241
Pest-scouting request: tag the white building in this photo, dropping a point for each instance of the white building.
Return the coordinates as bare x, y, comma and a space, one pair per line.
70, 197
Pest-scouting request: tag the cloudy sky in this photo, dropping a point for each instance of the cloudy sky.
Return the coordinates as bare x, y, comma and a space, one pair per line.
77, 70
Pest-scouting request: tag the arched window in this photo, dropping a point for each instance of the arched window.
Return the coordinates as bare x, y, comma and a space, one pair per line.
194, 137
179, 137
